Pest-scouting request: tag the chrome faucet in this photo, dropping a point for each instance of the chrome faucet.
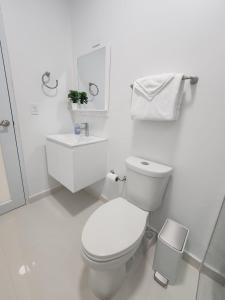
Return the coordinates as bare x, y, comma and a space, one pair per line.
84, 127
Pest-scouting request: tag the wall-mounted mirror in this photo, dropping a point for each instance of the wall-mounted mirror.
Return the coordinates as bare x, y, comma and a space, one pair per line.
93, 77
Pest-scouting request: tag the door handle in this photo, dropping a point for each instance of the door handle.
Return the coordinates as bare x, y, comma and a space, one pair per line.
4, 123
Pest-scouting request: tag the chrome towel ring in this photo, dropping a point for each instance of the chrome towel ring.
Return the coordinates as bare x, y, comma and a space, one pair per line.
45, 79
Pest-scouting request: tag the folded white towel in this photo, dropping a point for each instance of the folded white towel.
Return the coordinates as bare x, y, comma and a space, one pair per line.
157, 97
152, 85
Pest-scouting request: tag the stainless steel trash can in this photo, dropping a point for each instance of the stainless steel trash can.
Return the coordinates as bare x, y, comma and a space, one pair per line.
169, 251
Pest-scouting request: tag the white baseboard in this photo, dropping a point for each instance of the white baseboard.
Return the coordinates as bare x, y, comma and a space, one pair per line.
38, 196
192, 260
103, 198
213, 274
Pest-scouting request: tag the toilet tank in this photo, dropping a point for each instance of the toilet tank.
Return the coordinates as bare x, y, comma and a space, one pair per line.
146, 182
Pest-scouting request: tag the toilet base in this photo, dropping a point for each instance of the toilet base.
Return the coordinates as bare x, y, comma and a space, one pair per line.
105, 279
105, 284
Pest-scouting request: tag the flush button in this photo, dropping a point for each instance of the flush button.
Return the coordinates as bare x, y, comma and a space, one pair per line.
145, 163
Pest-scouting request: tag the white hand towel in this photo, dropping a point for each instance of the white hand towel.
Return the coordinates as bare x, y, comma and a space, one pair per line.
160, 100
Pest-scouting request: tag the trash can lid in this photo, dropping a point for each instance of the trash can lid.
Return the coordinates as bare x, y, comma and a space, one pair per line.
174, 234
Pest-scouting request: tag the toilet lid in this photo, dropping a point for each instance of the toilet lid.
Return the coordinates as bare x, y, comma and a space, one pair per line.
113, 229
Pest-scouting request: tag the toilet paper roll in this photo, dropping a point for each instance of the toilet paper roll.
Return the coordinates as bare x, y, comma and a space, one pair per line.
112, 177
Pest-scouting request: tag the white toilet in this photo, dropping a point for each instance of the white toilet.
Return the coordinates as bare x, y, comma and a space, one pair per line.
114, 232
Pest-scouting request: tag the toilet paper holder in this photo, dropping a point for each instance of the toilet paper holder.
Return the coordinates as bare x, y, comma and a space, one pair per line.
118, 178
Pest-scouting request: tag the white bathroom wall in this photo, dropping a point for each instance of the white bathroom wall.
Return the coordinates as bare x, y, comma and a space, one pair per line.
151, 37
39, 39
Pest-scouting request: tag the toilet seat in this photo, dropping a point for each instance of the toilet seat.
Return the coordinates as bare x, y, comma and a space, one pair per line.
113, 230
118, 257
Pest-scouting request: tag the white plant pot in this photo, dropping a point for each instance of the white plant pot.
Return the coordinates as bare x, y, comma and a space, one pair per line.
74, 106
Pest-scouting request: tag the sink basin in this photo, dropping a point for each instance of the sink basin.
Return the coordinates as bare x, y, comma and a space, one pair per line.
71, 140
76, 162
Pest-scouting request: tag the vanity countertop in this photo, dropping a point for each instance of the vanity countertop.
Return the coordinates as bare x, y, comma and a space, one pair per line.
71, 140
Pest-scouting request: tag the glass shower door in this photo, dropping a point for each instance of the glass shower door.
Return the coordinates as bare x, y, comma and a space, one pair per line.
211, 284
11, 186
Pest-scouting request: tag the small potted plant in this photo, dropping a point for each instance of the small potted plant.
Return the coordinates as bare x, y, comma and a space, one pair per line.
74, 97
83, 98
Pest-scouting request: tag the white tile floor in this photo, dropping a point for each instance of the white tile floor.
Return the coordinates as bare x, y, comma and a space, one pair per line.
40, 256
209, 289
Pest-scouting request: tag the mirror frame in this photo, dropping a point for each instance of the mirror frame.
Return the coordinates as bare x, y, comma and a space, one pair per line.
107, 75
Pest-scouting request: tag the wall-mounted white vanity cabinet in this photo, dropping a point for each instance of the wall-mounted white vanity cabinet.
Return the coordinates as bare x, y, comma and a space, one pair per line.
76, 162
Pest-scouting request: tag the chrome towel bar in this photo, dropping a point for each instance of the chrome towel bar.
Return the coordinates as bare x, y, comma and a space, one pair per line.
193, 79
